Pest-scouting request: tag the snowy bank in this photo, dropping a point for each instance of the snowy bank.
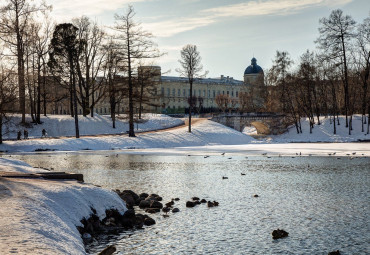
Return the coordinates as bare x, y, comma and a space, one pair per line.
204, 132
40, 216
324, 132
63, 125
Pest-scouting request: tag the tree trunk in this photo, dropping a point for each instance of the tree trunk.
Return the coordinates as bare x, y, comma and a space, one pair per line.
190, 104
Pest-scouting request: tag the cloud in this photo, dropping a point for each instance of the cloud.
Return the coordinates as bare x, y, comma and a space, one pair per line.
67, 9
210, 16
271, 7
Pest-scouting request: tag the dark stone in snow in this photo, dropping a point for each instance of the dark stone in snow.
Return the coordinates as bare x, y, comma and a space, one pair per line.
156, 204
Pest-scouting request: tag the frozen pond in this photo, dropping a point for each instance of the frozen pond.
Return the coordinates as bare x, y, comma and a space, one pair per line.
323, 202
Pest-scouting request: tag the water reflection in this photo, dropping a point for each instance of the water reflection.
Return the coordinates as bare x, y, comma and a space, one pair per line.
322, 202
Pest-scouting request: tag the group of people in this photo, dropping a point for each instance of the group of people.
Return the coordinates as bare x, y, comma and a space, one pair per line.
25, 134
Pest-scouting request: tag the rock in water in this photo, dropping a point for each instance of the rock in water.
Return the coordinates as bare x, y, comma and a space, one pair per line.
190, 204
108, 251
149, 221
279, 233
337, 252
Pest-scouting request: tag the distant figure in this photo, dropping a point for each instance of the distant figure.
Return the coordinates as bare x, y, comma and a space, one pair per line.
43, 132
25, 134
19, 135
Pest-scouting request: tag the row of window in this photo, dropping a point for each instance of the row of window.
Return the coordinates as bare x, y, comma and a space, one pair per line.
186, 93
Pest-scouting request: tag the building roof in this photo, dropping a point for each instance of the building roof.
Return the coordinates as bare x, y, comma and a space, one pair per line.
220, 80
253, 68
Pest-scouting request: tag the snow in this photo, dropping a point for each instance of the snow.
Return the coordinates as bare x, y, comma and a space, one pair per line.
323, 132
63, 125
205, 132
40, 216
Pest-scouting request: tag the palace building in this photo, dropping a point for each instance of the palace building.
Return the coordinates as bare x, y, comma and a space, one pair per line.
171, 94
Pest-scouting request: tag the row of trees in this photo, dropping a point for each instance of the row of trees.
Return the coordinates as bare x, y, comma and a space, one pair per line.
332, 81
78, 62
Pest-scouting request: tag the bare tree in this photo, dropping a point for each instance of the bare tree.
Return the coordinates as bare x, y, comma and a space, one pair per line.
15, 16
336, 33
136, 46
191, 68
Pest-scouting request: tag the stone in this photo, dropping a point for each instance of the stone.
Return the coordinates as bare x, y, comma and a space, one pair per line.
133, 194
144, 204
190, 204
128, 198
337, 252
152, 210
195, 198
176, 199
156, 204
255, 195
203, 201
215, 203
130, 213
175, 210
210, 204
108, 250
170, 204
279, 233
149, 221
144, 195
159, 198
166, 209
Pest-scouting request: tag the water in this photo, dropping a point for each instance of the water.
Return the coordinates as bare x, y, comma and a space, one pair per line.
323, 202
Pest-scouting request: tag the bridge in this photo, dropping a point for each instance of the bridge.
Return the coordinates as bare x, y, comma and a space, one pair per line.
265, 123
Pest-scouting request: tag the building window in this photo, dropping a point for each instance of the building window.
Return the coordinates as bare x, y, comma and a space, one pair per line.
232, 93
236, 94
105, 110
184, 93
173, 92
199, 93
214, 93
168, 91
195, 93
227, 92
204, 93
209, 93
162, 91
179, 92
223, 92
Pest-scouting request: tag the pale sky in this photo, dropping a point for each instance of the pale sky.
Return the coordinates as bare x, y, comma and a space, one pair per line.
228, 33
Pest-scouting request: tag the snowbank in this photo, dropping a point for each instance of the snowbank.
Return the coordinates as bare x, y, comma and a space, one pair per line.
323, 132
40, 216
63, 125
205, 132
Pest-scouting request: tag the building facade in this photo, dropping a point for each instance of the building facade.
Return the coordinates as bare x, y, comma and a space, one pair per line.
171, 94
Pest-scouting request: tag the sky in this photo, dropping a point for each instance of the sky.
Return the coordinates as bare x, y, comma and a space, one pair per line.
228, 33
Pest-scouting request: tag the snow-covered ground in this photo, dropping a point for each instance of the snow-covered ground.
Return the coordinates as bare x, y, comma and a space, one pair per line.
63, 125
203, 133
323, 132
40, 216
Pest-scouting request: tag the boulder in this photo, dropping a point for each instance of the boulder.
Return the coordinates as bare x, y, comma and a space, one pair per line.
144, 195
149, 221
337, 252
279, 233
152, 210
203, 201
175, 210
144, 204
195, 198
210, 204
156, 204
190, 204
170, 204
166, 209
